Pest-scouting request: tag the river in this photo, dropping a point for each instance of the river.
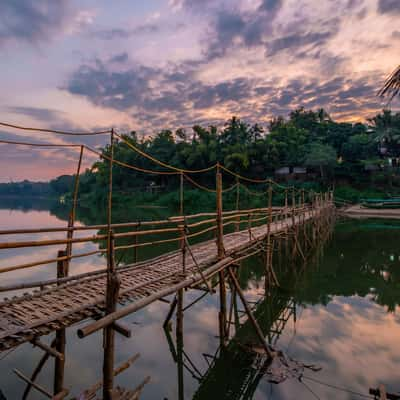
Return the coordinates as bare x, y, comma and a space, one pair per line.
340, 313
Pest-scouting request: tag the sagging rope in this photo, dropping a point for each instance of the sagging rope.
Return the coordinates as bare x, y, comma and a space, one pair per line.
144, 154
155, 160
205, 188
130, 166
38, 144
252, 192
58, 132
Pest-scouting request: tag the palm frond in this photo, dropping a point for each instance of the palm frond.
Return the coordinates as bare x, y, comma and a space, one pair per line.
391, 88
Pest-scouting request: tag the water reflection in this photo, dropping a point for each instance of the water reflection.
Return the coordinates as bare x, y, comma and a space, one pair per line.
340, 313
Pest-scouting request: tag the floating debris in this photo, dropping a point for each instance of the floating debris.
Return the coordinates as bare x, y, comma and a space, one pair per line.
281, 367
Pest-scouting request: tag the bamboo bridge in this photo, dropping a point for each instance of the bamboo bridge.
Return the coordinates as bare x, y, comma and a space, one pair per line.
210, 246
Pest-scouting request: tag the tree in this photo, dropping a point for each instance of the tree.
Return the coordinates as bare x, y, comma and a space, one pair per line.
322, 156
391, 88
386, 129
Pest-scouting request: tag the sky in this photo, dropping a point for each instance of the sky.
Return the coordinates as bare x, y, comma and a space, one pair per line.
148, 65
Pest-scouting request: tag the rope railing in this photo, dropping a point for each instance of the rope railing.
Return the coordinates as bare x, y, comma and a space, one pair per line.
3, 141
58, 132
175, 170
227, 218
161, 163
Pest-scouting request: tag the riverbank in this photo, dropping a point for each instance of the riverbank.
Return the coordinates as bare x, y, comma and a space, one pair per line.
357, 211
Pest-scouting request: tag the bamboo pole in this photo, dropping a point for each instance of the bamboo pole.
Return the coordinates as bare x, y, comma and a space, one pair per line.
268, 244
122, 367
111, 291
220, 229
39, 388
181, 199
60, 340
221, 254
237, 202
36, 372
72, 216
109, 333
179, 343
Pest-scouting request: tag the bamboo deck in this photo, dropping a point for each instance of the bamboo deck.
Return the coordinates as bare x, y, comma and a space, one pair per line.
28, 316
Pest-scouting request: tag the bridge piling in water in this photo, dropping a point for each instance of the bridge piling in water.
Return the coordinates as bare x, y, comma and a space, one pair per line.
60, 340
221, 254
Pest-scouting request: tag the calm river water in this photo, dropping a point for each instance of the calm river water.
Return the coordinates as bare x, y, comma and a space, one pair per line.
341, 314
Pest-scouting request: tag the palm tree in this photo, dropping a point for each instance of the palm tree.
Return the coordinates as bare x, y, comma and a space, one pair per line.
391, 88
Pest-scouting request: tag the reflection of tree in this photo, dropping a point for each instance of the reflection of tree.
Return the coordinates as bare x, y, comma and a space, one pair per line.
362, 260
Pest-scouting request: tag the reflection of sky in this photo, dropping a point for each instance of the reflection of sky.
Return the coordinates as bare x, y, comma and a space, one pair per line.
353, 339
32, 219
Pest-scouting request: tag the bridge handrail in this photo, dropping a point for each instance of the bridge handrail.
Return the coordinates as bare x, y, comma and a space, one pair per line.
97, 237
133, 224
228, 215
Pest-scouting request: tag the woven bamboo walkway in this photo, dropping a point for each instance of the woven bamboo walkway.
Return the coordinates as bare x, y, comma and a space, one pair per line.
25, 317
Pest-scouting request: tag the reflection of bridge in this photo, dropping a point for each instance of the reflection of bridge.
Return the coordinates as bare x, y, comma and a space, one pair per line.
232, 373
68, 299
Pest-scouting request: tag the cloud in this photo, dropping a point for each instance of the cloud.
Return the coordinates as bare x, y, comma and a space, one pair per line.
119, 33
177, 97
297, 42
120, 58
192, 5
34, 21
389, 6
233, 28
148, 28
40, 114
271, 6
118, 90
396, 34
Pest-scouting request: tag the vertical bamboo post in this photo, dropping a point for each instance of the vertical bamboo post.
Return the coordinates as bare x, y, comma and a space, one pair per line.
135, 249
179, 297
220, 228
72, 216
182, 229
109, 333
111, 291
62, 272
237, 203
179, 343
268, 244
60, 340
181, 209
249, 225
294, 228
221, 254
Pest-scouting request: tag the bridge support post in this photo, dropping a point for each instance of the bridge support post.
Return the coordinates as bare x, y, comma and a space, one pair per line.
237, 203
60, 340
108, 332
179, 343
294, 230
268, 257
221, 254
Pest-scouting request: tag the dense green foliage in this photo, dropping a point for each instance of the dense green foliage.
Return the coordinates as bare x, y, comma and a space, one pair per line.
352, 157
